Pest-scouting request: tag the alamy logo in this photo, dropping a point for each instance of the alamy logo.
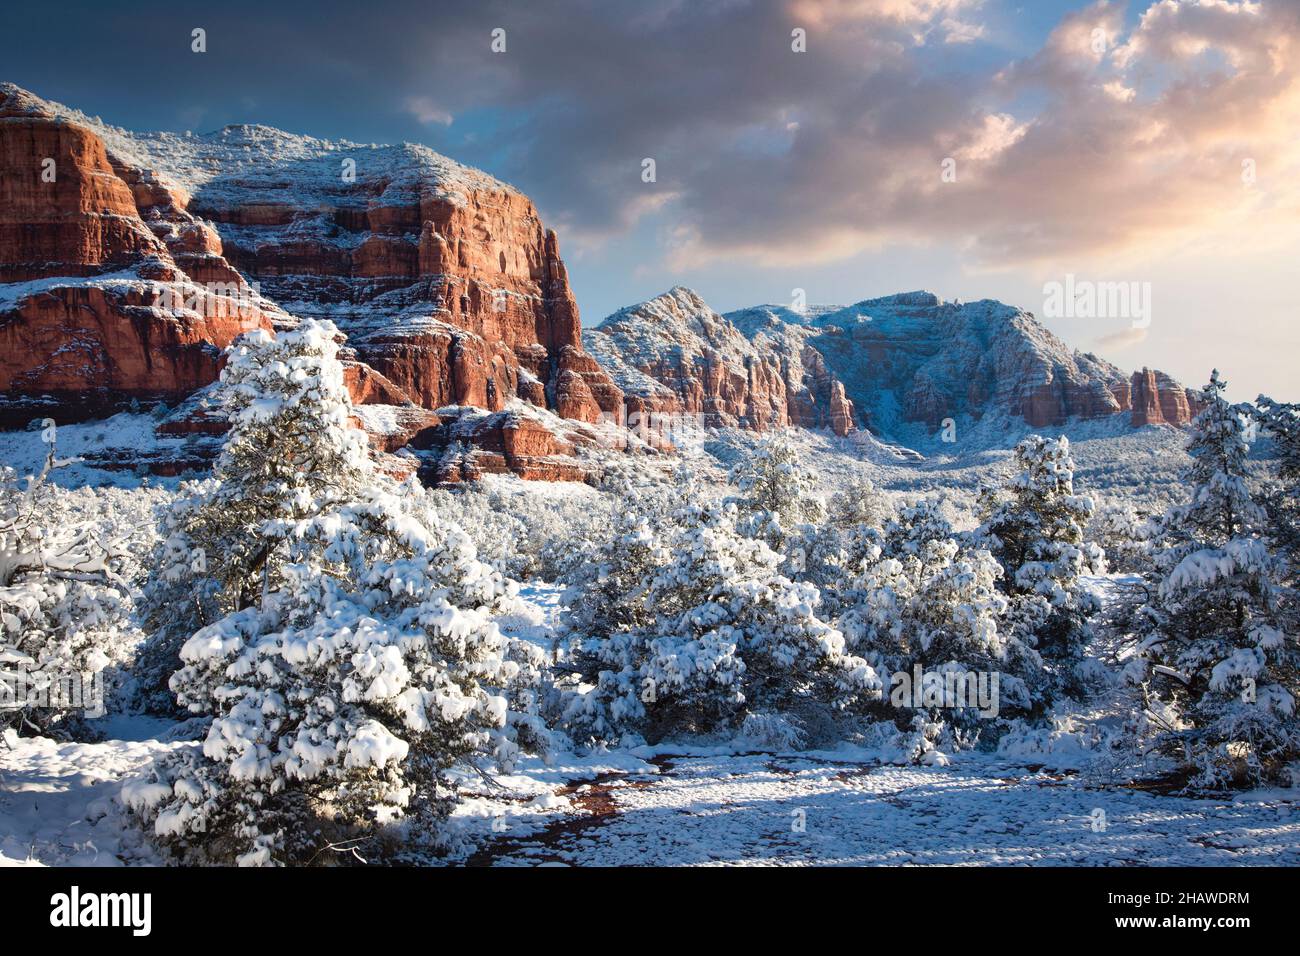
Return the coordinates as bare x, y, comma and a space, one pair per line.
1083, 299
977, 690
103, 909
22, 685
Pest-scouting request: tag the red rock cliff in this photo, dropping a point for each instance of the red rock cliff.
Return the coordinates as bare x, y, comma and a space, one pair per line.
446, 283
95, 306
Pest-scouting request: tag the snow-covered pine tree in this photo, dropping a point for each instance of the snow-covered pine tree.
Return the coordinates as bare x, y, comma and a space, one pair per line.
290, 453
357, 660
607, 607
1033, 525
1123, 532
778, 501
1220, 678
931, 601
63, 605
720, 641
859, 504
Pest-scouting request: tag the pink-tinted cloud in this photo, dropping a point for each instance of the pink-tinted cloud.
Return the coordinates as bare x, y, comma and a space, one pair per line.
1134, 142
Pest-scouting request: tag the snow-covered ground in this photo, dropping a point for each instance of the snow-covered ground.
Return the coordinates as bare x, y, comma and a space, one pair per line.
845, 808
58, 802
692, 806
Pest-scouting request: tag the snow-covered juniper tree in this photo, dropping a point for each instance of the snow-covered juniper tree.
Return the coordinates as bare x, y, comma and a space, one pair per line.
607, 610
859, 504
357, 659
713, 638
777, 501
1123, 532
63, 604
850, 538
290, 453
608, 592
930, 601
1219, 676
1033, 525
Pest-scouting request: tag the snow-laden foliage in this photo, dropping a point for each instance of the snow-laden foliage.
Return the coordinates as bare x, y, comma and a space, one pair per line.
290, 454
859, 504
930, 601
777, 502
850, 538
609, 590
356, 660
686, 625
64, 603
524, 536
1218, 675
1033, 525
1282, 421
1123, 532
609, 579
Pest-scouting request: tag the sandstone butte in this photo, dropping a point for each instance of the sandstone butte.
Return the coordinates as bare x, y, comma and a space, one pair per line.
449, 290
128, 262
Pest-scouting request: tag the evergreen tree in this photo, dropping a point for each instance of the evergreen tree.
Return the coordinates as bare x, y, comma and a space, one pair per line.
1219, 676
357, 660
63, 605
1123, 533
848, 540
931, 601
777, 501
1033, 526
719, 637
290, 453
1281, 420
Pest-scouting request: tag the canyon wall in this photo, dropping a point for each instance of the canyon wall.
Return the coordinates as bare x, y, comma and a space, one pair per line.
96, 304
129, 261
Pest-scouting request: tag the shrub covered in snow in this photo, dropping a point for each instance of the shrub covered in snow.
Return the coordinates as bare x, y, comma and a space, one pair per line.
850, 538
1218, 675
1123, 532
291, 453
523, 534
930, 604
777, 501
356, 659
1281, 420
1033, 526
64, 603
687, 626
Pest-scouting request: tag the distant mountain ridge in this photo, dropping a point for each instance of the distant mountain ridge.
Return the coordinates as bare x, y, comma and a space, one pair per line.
673, 354
882, 364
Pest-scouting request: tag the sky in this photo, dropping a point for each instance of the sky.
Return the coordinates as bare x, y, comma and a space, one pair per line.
844, 148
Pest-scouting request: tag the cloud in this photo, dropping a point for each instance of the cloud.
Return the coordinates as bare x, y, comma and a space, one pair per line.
1113, 137
426, 111
1123, 339
956, 31
1104, 141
